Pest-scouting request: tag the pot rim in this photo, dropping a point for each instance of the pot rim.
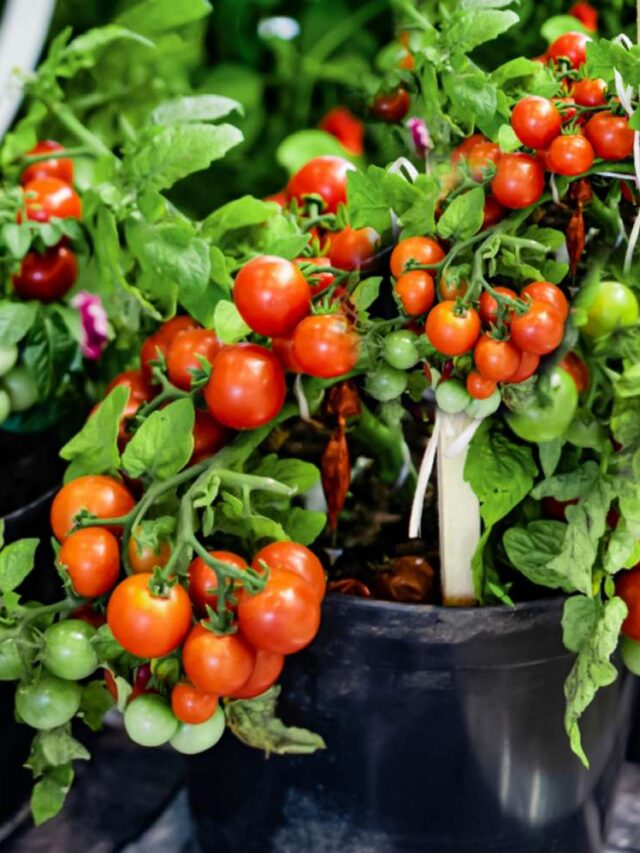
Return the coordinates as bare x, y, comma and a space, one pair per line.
535, 606
34, 504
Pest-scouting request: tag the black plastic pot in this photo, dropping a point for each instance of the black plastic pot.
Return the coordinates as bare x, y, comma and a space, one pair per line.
444, 731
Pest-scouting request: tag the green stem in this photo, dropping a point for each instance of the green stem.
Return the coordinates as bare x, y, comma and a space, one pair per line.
74, 126
78, 151
383, 442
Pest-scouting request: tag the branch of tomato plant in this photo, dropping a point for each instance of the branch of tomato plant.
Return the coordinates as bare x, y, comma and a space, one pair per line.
77, 151
74, 126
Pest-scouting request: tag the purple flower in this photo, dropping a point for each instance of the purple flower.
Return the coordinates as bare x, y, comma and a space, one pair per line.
95, 325
419, 136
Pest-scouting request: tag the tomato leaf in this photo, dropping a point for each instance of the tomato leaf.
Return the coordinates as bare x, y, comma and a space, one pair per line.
302, 146
254, 722
94, 450
367, 203
163, 444
463, 217
16, 318
16, 562
470, 27
96, 701
565, 487
229, 325
304, 525
49, 352
59, 747
531, 550
195, 108
237, 214
159, 16
578, 621
49, 794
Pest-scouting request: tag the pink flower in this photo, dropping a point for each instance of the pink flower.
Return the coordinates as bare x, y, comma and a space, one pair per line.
419, 136
95, 326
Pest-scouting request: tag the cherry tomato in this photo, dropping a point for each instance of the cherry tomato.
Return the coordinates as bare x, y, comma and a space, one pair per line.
566, 108
283, 350
266, 672
247, 388
87, 614
149, 721
540, 330
462, 151
493, 212
184, 354
400, 349
144, 558
391, 106
159, 343
571, 46
416, 291
48, 702
284, 617
577, 370
141, 682
536, 121
549, 413
570, 155
497, 360
68, 651
628, 588
279, 198
208, 436
450, 330
488, 305
190, 740
610, 135
45, 198
271, 295
528, 365
102, 496
294, 558
518, 182
482, 158
347, 129
423, 250
46, 277
91, 556
586, 14
318, 281
590, 92
610, 305
324, 176
203, 581
351, 248
545, 291
556, 509
326, 345
451, 289
146, 625
479, 387
56, 167
218, 664
191, 705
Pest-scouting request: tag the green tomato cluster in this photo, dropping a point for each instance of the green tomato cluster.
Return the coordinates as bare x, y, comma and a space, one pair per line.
453, 398
18, 389
149, 721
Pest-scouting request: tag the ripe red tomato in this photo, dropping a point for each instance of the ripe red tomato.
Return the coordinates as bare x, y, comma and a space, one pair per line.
203, 581
423, 250
294, 558
391, 106
184, 354
265, 673
111, 684
416, 291
479, 387
488, 305
577, 370
144, 558
326, 345
192, 706
518, 182
536, 121
610, 135
92, 559
208, 436
47, 276
462, 151
102, 496
545, 291
140, 391
566, 108
351, 248
284, 617
482, 158
279, 198
347, 129
493, 212
570, 155
628, 588
45, 198
528, 365
271, 295
247, 388
571, 46
497, 360
324, 176
218, 664
452, 331
56, 167
318, 281
540, 330
283, 350
586, 14
146, 625
450, 289
159, 342
590, 92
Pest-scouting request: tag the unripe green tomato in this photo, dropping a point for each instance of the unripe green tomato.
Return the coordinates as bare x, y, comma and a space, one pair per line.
193, 739
21, 388
11, 667
452, 397
48, 702
400, 350
609, 305
550, 412
483, 408
149, 721
630, 650
68, 651
5, 406
8, 358
386, 383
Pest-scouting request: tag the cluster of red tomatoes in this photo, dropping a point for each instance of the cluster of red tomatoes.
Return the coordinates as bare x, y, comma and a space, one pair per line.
279, 620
